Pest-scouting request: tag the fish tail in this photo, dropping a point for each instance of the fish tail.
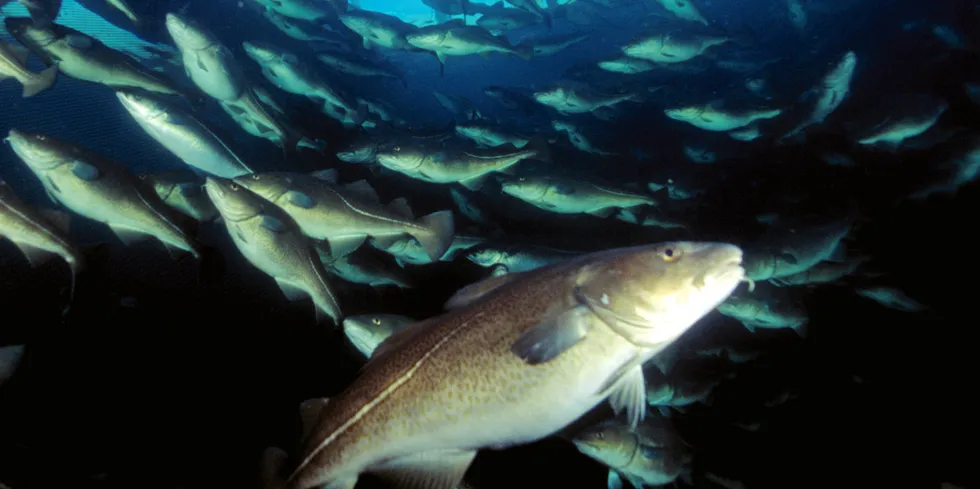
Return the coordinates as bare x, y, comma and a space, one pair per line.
437, 237
41, 82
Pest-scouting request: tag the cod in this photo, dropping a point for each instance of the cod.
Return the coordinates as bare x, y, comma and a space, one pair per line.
184, 192
213, 68
284, 70
379, 30
207, 62
183, 135
345, 216
578, 331
572, 100
649, 455
670, 48
567, 196
470, 169
85, 58
272, 242
829, 93
454, 38
101, 190
710, 118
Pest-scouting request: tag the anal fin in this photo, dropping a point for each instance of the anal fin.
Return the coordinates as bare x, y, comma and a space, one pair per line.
627, 391
35, 256
291, 291
129, 236
439, 469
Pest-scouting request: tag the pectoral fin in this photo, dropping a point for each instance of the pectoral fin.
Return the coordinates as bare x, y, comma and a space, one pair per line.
554, 335
439, 469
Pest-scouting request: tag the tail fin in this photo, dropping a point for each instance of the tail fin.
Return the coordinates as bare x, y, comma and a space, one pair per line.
438, 234
539, 144
525, 51
41, 82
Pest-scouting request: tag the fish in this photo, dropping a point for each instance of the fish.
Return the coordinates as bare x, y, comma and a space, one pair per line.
468, 168
504, 259
766, 308
671, 48
891, 298
13, 64
85, 58
790, 251
363, 266
207, 62
649, 455
284, 70
829, 93
183, 135
311, 10
570, 196
457, 39
272, 242
367, 331
39, 233
579, 330
572, 100
101, 190
578, 139
184, 192
379, 30
345, 216
711, 118
486, 134
627, 65
356, 67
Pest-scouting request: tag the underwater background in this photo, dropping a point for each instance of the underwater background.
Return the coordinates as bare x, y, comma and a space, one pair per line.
158, 379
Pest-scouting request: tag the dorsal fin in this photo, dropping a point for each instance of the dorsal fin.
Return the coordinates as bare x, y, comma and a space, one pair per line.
362, 190
400, 207
309, 413
472, 292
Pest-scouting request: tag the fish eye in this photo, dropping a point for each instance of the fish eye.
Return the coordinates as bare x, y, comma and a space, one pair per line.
600, 435
376, 321
670, 254
397, 148
234, 187
255, 176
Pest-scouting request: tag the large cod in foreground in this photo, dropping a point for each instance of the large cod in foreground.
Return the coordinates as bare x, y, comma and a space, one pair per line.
487, 373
